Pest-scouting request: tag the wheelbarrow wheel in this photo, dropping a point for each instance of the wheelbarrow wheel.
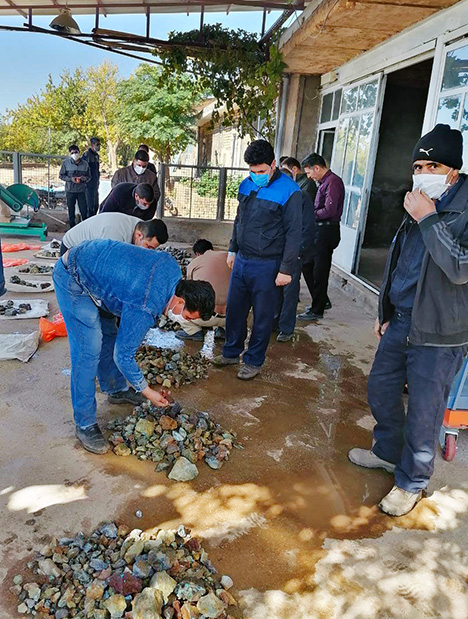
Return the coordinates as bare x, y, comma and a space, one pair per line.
450, 447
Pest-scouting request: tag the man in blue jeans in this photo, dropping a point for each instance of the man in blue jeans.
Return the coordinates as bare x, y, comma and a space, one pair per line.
96, 281
423, 321
263, 254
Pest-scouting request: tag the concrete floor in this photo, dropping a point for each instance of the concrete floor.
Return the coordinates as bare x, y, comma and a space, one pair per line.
289, 518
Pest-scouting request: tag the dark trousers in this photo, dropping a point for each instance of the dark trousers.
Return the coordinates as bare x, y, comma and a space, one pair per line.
316, 270
252, 286
92, 199
410, 440
72, 199
290, 299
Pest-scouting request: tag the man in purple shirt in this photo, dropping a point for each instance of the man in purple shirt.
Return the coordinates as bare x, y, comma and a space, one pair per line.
328, 208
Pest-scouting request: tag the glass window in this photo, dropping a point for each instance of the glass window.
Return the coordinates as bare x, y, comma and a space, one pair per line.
365, 134
327, 103
464, 130
336, 104
456, 69
340, 146
449, 110
354, 209
350, 96
367, 95
350, 151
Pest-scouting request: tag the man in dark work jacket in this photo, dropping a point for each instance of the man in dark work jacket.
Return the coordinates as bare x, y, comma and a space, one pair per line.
131, 199
263, 254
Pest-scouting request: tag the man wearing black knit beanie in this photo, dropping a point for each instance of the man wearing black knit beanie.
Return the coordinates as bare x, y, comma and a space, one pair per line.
423, 321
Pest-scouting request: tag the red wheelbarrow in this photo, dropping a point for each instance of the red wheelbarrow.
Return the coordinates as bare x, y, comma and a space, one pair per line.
456, 413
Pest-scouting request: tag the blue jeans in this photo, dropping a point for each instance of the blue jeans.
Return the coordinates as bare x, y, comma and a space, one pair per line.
91, 338
290, 293
410, 440
252, 285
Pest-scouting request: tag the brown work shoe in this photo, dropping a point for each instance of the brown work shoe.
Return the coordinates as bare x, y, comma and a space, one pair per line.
221, 361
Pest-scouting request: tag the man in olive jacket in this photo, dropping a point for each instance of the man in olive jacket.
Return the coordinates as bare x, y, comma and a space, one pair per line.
423, 321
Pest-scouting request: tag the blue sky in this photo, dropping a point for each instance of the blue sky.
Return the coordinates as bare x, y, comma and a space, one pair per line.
28, 58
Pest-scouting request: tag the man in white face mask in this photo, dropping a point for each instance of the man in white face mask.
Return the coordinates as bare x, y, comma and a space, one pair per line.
75, 172
423, 321
137, 172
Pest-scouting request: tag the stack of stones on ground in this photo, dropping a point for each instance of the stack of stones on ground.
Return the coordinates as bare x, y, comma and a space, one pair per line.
10, 308
182, 256
174, 438
115, 574
165, 324
169, 368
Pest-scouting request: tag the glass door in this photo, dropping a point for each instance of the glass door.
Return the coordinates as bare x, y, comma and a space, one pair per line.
353, 160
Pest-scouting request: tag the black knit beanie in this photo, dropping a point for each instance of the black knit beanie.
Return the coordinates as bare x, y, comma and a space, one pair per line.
443, 145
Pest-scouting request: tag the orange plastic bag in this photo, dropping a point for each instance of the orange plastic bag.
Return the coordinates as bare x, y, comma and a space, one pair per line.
52, 328
18, 247
14, 262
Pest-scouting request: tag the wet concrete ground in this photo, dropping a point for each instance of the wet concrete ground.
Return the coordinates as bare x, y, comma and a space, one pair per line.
288, 518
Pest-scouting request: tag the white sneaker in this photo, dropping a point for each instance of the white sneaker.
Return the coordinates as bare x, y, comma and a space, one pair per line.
399, 502
368, 459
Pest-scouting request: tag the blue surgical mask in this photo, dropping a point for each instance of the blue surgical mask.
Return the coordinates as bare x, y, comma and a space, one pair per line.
261, 180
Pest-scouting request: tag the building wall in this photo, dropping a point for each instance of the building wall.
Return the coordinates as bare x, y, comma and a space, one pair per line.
308, 116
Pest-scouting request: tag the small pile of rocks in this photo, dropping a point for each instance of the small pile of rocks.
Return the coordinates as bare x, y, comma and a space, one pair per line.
37, 269
169, 368
115, 574
183, 257
14, 279
165, 324
9, 308
174, 438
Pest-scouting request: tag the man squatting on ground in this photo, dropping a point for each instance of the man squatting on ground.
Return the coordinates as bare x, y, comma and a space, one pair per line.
117, 227
422, 323
263, 255
98, 281
209, 266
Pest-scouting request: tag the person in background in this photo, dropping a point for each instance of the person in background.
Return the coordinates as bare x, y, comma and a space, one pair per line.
131, 199
422, 325
328, 208
91, 156
137, 172
286, 321
150, 165
210, 266
263, 254
75, 172
98, 281
306, 184
117, 227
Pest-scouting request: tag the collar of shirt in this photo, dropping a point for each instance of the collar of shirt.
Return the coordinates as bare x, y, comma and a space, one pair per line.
325, 176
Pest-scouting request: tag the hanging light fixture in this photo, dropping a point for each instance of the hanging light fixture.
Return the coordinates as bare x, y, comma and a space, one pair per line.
64, 22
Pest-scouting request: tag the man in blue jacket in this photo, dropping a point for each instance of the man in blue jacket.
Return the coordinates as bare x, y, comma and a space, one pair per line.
96, 281
423, 321
263, 254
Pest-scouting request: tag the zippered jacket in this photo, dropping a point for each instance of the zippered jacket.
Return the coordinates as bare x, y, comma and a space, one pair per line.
268, 223
71, 169
440, 311
92, 159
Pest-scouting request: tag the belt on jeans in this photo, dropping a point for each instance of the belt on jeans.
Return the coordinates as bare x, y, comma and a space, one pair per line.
327, 223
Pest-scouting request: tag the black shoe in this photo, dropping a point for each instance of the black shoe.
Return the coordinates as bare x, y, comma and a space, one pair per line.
328, 305
309, 316
284, 337
130, 395
183, 335
92, 439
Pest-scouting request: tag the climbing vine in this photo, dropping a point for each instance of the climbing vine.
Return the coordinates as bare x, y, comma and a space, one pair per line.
230, 66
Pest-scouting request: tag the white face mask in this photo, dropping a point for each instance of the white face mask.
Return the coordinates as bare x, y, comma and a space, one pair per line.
75, 156
141, 206
435, 185
139, 169
174, 317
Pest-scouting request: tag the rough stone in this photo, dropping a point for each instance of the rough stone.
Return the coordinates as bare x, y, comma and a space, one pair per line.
189, 591
167, 423
226, 582
183, 470
164, 583
116, 605
125, 583
210, 606
48, 568
122, 450
95, 591
145, 427
148, 604
141, 568
135, 549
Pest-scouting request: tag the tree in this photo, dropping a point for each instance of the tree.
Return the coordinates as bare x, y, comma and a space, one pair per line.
159, 112
243, 77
